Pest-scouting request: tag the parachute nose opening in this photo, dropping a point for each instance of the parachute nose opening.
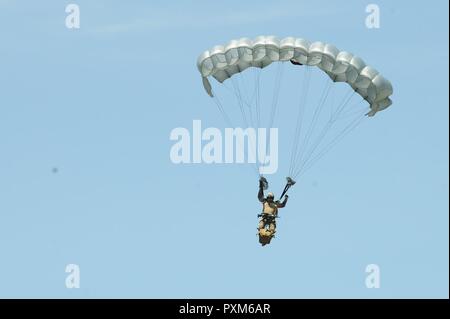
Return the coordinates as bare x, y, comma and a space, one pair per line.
295, 62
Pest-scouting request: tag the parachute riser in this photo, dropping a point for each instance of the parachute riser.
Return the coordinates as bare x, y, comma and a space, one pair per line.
290, 182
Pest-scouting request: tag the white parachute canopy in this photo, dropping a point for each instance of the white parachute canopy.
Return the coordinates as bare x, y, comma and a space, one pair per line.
231, 62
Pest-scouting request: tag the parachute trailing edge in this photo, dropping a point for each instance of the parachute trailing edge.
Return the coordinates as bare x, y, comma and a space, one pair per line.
222, 62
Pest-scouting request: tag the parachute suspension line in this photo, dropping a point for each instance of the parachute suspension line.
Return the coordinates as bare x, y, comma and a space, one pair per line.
253, 88
249, 106
257, 93
333, 118
233, 92
347, 98
222, 111
276, 93
302, 150
303, 99
251, 142
240, 102
257, 101
350, 127
327, 127
350, 113
228, 121
246, 94
336, 106
300, 116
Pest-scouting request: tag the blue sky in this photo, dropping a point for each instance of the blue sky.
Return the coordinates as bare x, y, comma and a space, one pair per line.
99, 103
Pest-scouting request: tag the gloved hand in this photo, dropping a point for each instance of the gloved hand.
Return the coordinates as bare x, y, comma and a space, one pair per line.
261, 181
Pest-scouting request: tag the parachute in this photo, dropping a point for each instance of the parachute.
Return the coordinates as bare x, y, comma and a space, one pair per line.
231, 62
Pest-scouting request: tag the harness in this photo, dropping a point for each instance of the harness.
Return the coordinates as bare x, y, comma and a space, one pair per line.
268, 218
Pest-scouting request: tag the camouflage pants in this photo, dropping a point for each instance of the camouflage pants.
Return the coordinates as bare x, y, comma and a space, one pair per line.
266, 231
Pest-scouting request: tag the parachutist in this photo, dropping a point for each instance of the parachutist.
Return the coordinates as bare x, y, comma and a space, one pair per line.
267, 224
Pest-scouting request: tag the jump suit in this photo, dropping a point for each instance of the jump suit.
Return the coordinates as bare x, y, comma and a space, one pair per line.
271, 209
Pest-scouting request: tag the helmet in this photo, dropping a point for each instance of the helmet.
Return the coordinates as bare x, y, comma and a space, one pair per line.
270, 195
